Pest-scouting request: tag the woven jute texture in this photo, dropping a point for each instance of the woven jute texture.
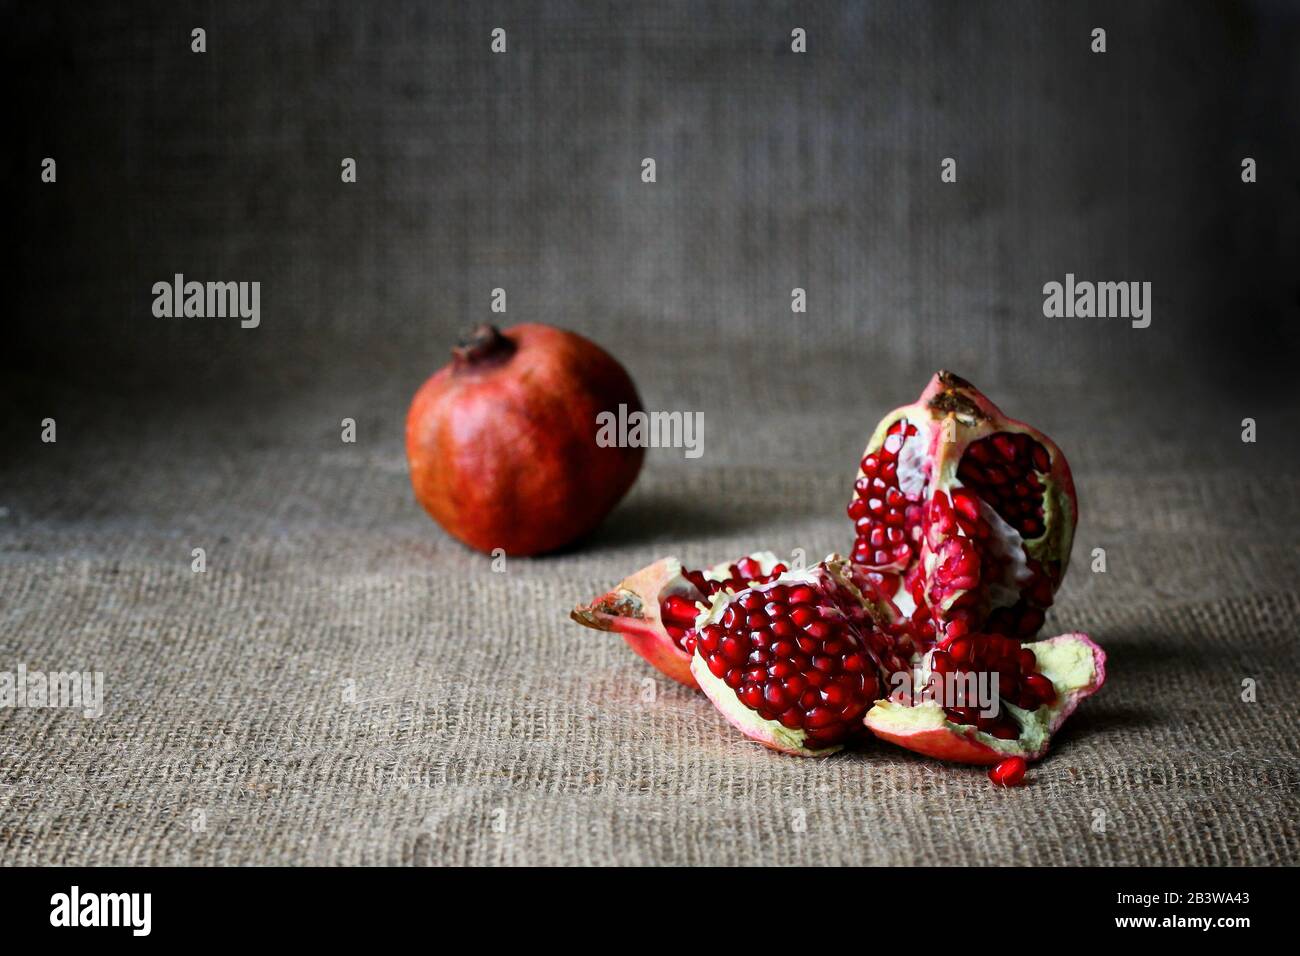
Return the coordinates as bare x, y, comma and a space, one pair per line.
346, 685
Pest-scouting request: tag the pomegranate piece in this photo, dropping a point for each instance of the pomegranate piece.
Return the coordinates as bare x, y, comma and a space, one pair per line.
655, 609
1009, 773
796, 662
502, 443
974, 511
1038, 686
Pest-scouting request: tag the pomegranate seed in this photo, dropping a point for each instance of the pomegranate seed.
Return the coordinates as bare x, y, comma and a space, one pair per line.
802, 615
679, 609
1009, 773
733, 649
1040, 687
837, 695
820, 717
818, 630
784, 628
1006, 729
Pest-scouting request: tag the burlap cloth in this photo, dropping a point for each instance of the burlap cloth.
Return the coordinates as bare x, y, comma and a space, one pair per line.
345, 685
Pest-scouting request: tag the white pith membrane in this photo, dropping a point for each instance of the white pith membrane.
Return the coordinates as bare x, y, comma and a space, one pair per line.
912, 475
831, 573
1007, 551
722, 570
678, 583
1070, 662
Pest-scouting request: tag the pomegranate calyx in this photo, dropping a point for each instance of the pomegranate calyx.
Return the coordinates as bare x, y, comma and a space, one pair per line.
950, 394
482, 345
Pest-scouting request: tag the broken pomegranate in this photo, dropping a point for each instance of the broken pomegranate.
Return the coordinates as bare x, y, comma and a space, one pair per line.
964, 522
981, 698
969, 512
796, 660
794, 663
502, 442
655, 609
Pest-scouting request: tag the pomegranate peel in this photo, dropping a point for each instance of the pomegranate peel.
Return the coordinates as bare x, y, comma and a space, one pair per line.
1073, 663
649, 607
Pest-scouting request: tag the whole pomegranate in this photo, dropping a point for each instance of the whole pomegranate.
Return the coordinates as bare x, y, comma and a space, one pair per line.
501, 442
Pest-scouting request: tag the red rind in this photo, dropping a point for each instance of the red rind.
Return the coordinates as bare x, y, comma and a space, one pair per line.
632, 609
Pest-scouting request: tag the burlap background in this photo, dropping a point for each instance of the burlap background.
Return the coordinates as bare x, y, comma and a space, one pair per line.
485, 727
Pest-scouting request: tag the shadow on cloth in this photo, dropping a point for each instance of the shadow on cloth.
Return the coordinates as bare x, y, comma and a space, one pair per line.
649, 518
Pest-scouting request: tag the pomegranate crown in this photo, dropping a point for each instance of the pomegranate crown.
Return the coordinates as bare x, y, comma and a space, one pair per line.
481, 345
949, 393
